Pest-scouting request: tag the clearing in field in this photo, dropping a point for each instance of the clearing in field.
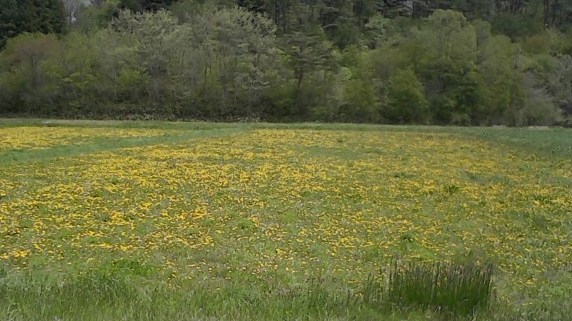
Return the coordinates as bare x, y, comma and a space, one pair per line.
196, 222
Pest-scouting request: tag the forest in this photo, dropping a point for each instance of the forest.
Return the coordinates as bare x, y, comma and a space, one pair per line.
444, 62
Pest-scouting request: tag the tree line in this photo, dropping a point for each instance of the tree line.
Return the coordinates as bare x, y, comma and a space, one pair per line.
463, 62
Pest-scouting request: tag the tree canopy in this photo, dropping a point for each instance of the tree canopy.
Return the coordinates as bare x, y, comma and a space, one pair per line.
19, 16
464, 62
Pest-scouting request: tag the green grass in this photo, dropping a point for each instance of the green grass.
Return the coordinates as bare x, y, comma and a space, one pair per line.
460, 289
291, 209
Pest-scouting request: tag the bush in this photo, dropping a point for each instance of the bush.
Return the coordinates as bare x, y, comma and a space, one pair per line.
406, 102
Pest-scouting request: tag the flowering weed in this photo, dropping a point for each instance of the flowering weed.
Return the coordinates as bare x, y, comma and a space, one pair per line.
258, 213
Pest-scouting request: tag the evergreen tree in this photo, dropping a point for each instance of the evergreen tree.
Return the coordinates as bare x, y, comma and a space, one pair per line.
146, 5
16, 17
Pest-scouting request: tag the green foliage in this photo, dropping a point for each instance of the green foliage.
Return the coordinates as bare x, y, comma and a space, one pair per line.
29, 83
150, 36
538, 108
447, 64
516, 26
308, 51
145, 5
90, 19
309, 60
499, 84
9, 19
16, 17
406, 102
360, 102
230, 64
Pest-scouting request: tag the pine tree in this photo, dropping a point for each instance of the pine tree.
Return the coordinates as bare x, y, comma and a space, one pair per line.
16, 17
9, 20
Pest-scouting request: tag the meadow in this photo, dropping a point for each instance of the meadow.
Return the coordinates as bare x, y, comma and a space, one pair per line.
206, 221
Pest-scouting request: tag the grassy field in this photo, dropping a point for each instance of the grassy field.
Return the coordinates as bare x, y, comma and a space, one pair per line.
203, 221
